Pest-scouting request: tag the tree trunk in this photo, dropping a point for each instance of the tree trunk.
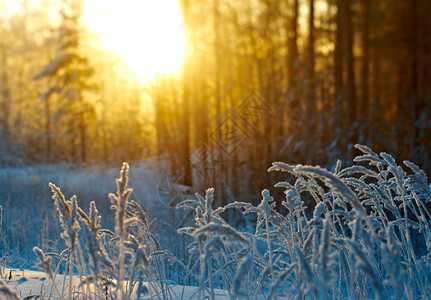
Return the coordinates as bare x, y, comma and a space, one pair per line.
219, 171
185, 147
48, 133
350, 89
310, 120
292, 65
365, 72
82, 132
338, 110
417, 103
293, 47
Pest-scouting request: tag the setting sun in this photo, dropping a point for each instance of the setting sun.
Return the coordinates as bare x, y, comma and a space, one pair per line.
147, 35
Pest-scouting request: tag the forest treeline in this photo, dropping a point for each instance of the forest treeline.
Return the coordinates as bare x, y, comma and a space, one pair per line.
62, 98
299, 81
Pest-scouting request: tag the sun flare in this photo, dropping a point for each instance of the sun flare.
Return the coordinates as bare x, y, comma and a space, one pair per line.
147, 35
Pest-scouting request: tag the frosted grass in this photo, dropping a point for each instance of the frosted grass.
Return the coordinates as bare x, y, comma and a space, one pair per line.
361, 231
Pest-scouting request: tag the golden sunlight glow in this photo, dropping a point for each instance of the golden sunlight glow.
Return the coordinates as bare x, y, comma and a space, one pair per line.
148, 35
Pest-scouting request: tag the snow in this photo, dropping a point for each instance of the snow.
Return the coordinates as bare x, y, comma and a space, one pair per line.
32, 283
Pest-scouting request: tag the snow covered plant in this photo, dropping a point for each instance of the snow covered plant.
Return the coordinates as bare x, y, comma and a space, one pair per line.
359, 232
111, 265
224, 255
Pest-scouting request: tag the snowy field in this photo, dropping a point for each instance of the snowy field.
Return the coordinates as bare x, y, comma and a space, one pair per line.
361, 231
30, 218
28, 284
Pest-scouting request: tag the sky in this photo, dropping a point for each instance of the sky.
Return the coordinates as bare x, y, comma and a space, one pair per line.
147, 35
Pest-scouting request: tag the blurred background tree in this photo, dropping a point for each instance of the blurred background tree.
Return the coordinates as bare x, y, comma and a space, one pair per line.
299, 81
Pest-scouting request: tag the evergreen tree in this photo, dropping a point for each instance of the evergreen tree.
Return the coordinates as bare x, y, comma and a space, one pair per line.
69, 73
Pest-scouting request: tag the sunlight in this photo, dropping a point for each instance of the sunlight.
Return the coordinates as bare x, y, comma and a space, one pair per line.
147, 35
